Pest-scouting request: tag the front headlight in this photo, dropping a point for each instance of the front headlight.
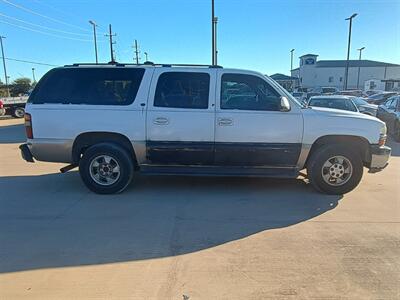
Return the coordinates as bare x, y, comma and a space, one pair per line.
382, 135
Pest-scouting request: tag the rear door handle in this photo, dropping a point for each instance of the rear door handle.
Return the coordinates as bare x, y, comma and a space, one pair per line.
225, 122
161, 121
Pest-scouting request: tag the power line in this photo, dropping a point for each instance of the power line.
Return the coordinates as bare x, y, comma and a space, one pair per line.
44, 27
43, 32
29, 62
43, 16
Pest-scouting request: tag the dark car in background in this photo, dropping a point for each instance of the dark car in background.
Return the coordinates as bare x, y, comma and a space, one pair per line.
389, 112
380, 98
334, 101
365, 107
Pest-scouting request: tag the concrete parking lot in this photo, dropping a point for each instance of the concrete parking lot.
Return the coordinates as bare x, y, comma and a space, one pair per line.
193, 238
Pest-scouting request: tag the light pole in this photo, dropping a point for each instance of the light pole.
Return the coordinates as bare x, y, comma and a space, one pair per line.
215, 42
145, 53
4, 64
33, 75
212, 34
346, 74
359, 58
95, 38
291, 61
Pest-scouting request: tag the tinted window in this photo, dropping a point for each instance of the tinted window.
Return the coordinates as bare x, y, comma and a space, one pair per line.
247, 92
343, 104
388, 103
101, 86
393, 104
182, 90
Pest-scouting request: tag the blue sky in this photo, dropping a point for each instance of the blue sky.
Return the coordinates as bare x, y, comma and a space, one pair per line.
252, 34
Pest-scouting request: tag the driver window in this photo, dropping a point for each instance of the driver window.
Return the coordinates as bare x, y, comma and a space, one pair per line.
248, 92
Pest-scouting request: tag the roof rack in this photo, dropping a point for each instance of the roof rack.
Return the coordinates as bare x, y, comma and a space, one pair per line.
146, 63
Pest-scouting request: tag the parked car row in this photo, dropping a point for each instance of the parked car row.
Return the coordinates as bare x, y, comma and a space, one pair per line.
388, 111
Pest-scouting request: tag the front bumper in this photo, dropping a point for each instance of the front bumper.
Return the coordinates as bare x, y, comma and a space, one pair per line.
379, 158
26, 153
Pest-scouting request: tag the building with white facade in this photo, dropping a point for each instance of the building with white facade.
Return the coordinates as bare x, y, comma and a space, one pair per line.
314, 73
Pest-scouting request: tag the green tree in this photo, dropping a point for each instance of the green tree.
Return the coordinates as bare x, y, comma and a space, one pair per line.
20, 86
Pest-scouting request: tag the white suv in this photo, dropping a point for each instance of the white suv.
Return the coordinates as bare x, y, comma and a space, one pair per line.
113, 120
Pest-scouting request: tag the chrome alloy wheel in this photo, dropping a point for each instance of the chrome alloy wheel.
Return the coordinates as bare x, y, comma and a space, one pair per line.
104, 170
337, 170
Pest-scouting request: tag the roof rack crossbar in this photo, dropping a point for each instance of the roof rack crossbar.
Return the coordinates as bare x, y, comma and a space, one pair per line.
144, 64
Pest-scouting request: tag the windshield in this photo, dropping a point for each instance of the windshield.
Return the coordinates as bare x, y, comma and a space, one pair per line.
336, 103
360, 101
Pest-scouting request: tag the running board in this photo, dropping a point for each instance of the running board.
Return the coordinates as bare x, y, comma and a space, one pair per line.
283, 172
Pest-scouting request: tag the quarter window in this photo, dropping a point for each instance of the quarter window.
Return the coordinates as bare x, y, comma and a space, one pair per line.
97, 86
247, 92
182, 90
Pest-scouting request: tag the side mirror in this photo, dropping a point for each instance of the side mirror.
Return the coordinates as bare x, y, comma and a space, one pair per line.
285, 104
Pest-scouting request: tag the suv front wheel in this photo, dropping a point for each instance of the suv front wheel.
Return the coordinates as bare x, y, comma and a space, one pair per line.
335, 169
106, 168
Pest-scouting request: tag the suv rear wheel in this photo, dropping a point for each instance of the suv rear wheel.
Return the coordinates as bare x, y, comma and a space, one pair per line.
106, 168
335, 169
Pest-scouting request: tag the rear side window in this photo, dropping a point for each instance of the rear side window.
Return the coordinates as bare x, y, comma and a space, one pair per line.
182, 90
97, 86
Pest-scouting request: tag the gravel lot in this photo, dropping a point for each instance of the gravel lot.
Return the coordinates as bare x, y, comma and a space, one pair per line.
193, 238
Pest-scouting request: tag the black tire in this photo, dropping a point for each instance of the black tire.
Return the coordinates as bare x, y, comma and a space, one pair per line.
119, 155
322, 155
18, 112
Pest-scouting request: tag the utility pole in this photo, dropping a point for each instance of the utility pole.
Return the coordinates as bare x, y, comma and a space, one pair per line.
291, 61
359, 58
4, 65
136, 52
95, 38
110, 35
346, 74
33, 75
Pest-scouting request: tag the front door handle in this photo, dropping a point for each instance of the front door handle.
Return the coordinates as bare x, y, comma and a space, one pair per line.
225, 122
161, 121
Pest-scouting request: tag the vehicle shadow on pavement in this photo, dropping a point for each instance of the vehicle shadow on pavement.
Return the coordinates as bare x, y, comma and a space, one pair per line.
12, 134
52, 221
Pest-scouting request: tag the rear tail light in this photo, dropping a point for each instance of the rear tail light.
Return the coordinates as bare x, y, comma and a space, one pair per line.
28, 126
1, 104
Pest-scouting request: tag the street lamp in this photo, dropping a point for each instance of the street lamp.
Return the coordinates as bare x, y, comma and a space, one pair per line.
95, 38
291, 61
146, 56
33, 75
346, 75
359, 58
